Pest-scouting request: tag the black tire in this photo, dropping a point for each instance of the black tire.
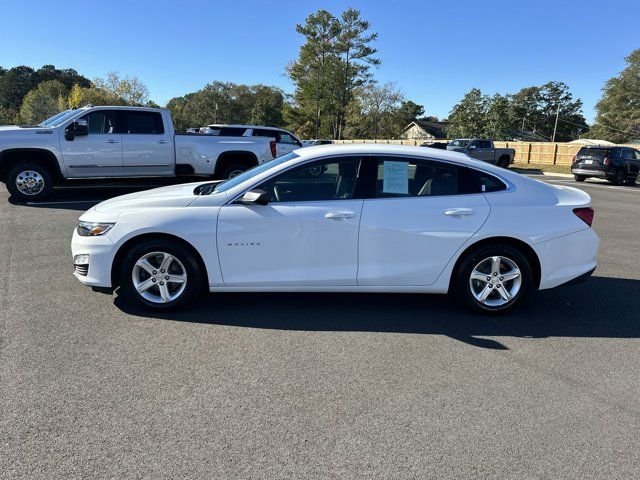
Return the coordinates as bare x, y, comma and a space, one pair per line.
194, 284
27, 173
620, 178
579, 178
463, 284
233, 169
503, 162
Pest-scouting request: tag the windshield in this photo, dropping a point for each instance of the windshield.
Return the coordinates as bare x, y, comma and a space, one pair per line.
458, 143
238, 179
58, 119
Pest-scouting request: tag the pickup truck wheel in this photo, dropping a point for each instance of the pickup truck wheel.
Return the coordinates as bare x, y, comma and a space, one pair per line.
29, 181
160, 275
503, 162
579, 178
233, 170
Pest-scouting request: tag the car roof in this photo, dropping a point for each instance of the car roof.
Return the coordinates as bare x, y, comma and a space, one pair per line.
382, 149
230, 125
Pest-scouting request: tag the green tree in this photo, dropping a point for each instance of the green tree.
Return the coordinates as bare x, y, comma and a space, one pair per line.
79, 97
129, 89
315, 64
354, 49
408, 112
220, 102
535, 108
498, 120
468, 118
43, 102
618, 111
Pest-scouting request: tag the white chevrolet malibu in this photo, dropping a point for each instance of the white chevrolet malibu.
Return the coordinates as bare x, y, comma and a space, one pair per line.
343, 218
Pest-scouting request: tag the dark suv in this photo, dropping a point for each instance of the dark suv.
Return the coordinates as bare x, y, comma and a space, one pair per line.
619, 165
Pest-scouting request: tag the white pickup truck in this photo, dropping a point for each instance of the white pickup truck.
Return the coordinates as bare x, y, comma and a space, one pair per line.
110, 142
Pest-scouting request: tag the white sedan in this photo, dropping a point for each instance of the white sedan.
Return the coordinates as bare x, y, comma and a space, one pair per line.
343, 218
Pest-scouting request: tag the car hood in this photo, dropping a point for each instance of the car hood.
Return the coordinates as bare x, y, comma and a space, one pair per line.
173, 196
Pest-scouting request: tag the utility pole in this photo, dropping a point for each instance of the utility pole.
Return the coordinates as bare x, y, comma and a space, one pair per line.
555, 127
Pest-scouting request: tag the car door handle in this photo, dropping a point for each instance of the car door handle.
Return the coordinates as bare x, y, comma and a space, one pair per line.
458, 212
112, 141
340, 215
161, 141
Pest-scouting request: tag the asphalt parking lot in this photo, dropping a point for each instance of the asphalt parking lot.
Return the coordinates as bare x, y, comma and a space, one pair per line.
315, 385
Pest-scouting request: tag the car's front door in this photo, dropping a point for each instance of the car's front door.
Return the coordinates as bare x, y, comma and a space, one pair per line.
97, 154
419, 215
147, 146
481, 149
307, 235
286, 143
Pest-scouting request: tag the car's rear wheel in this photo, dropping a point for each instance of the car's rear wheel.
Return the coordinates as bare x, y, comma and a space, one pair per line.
620, 177
579, 178
160, 274
29, 181
493, 278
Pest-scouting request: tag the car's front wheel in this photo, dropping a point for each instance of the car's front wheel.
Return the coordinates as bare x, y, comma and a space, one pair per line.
160, 274
493, 278
579, 178
29, 181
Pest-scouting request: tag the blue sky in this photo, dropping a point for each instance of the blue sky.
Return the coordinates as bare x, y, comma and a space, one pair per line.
433, 51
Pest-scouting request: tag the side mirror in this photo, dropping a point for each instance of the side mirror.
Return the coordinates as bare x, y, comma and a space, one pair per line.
255, 197
75, 129
471, 147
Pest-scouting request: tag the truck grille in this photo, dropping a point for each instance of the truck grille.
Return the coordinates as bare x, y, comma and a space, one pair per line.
82, 270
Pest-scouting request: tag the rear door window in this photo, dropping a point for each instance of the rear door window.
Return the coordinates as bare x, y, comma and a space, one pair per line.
594, 152
286, 137
261, 132
146, 123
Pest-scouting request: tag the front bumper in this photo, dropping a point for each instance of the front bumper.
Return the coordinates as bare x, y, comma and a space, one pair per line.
101, 251
567, 258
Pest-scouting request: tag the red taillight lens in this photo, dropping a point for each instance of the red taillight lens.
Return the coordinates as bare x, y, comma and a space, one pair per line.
606, 161
585, 214
575, 157
272, 144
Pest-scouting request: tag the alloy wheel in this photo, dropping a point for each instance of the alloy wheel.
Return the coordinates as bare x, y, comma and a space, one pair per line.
495, 281
159, 277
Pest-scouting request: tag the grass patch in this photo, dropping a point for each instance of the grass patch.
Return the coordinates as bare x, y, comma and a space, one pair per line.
544, 168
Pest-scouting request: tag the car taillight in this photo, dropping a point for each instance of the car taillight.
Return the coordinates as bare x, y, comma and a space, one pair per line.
575, 157
272, 144
585, 214
606, 161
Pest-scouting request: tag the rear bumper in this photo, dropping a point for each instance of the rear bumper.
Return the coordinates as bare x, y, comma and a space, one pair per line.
567, 258
589, 173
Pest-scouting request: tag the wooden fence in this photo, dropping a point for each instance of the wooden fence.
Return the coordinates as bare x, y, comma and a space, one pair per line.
541, 153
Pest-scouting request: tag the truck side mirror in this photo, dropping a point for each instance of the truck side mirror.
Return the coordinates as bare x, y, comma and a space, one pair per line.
75, 129
255, 197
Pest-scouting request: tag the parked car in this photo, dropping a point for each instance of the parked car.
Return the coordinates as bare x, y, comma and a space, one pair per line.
483, 149
313, 143
439, 145
108, 142
379, 218
286, 141
619, 165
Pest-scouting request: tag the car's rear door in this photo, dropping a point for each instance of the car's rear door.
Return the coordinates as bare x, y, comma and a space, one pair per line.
307, 235
147, 146
417, 216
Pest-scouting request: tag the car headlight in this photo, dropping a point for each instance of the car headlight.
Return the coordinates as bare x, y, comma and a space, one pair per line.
92, 229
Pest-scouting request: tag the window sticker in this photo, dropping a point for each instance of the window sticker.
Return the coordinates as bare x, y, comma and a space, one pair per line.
396, 177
